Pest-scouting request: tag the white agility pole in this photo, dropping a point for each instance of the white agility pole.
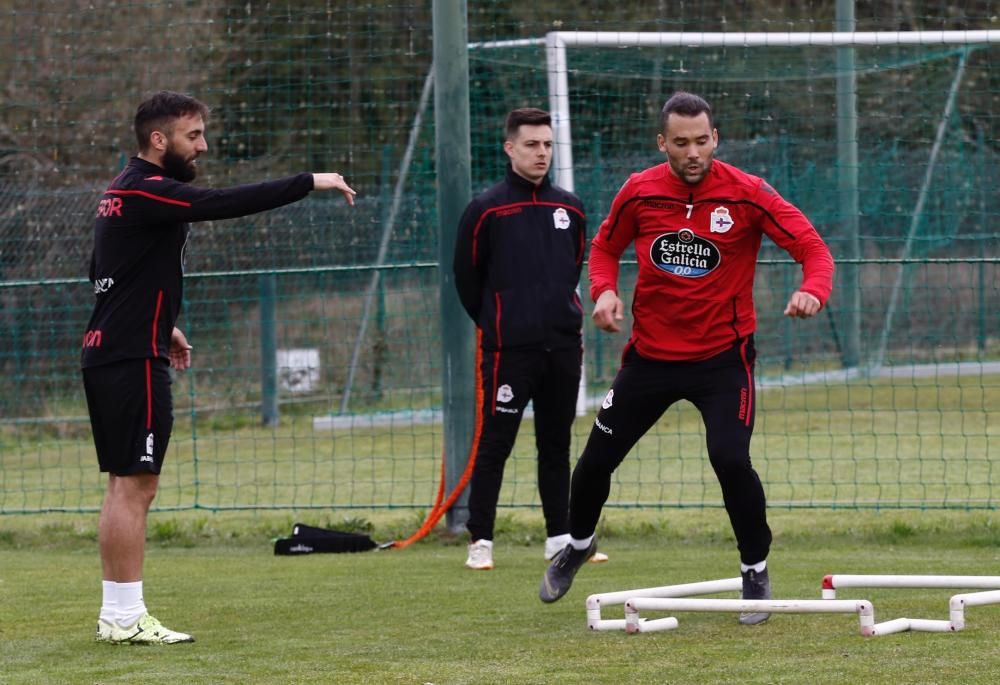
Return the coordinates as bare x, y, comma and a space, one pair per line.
956, 612
972, 599
597, 601
902, 625
634, 624
956, 604
834, 581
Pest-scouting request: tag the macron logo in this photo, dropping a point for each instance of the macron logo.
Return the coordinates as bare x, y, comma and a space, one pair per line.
603, 428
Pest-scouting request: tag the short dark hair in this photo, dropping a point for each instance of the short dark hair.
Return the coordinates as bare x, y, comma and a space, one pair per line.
686, 105
159, 110
525, 116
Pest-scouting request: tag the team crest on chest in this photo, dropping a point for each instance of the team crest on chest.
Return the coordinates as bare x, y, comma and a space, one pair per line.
721, 221
560, 219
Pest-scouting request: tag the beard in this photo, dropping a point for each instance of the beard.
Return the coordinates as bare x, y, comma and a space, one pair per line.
179, 168
682, 172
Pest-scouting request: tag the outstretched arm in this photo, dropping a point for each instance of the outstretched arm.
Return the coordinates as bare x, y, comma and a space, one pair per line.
168, 200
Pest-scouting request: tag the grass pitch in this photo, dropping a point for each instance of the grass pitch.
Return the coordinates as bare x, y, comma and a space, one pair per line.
417, 616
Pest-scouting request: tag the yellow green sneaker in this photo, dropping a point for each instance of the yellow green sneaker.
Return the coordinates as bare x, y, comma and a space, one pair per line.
146, 631
104, 631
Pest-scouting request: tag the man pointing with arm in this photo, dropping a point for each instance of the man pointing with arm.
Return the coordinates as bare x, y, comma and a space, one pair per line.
137, 268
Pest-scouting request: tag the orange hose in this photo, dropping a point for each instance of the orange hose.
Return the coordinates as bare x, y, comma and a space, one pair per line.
440, 509
432, 515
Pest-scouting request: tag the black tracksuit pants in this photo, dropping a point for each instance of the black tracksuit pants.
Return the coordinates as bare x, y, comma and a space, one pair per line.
509, 378
722, 389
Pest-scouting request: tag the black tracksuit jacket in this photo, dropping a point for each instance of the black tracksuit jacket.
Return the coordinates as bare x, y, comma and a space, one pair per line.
518, 257
137, 265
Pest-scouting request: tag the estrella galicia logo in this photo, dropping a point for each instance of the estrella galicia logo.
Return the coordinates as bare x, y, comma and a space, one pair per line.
684, 254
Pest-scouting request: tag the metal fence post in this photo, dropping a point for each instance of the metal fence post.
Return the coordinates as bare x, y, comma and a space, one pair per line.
454, 165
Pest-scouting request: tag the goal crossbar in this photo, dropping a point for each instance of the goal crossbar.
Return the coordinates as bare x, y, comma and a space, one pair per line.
768, 38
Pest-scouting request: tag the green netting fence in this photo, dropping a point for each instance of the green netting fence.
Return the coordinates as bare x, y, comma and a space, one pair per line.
889, 399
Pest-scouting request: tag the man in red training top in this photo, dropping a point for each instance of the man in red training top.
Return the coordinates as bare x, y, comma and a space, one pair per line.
696, 225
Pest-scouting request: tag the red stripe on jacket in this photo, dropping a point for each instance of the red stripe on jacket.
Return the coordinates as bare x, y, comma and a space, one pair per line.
143, 193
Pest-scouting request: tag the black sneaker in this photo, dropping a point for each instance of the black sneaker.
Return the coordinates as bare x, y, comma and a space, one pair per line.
755, 586
559, 575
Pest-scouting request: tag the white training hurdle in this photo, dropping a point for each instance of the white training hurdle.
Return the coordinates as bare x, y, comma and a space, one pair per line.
597, 601
956, 605
834, 581
679, 598
634, 624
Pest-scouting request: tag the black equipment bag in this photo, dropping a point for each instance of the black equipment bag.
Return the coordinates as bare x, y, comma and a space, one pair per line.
310, 540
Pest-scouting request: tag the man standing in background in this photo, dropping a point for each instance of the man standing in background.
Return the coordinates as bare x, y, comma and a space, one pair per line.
517, 265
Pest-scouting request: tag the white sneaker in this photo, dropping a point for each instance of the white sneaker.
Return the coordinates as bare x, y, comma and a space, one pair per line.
555, 544
598, 558
480, 555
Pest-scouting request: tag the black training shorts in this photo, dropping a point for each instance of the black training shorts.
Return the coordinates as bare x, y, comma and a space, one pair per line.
131, 414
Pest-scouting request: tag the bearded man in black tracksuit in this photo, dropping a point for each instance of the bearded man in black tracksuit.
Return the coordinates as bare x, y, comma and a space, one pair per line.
517, 264
140, 235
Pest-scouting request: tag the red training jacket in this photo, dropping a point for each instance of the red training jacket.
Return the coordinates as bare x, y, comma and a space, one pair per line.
697, 250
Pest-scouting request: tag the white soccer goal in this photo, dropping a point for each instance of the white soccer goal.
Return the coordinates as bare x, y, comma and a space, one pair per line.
568, 64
